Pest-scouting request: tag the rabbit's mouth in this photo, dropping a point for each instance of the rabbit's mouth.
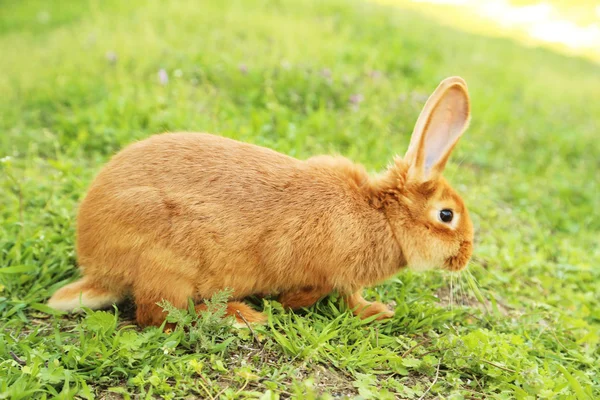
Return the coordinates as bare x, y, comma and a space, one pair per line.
459, 261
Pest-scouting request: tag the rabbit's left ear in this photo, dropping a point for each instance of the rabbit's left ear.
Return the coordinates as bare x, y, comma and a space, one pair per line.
441, 124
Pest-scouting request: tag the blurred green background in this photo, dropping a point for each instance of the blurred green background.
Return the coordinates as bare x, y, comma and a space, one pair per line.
80, 80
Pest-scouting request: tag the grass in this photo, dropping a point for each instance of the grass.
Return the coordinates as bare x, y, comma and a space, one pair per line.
80, 80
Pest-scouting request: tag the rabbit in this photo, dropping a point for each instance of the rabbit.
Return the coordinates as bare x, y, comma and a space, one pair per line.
185, 215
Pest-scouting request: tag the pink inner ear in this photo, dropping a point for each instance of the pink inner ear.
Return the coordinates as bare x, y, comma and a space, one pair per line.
446, 124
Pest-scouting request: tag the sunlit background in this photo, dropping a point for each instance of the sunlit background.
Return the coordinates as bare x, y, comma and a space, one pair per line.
572, 27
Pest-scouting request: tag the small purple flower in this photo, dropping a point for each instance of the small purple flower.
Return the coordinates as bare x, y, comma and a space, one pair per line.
111, 57
356, 99
374, 74
163, 77
326, 73
243, 68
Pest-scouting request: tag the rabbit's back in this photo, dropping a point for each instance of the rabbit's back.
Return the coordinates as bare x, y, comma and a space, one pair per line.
223, 214
188, 161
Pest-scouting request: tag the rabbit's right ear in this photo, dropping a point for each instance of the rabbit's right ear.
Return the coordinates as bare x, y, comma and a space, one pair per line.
441, 124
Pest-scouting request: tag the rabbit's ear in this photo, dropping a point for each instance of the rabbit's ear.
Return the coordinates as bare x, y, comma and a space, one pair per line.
441, 123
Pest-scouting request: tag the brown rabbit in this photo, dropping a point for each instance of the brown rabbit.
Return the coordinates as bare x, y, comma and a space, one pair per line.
188, 214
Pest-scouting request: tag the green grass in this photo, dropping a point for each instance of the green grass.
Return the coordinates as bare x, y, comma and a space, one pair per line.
80, 80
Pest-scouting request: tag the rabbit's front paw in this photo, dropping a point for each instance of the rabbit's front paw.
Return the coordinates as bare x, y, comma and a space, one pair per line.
365, 309
376, 308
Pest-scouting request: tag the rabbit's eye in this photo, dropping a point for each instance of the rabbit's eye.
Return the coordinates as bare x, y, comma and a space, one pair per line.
446, 215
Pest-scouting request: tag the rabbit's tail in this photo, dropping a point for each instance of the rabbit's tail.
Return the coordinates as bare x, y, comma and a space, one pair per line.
82, 293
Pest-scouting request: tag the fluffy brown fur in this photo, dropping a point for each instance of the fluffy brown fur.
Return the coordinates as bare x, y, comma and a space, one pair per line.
187, 214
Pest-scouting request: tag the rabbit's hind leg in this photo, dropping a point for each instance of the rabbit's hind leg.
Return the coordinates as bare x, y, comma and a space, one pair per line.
178, 293
304, 297
146, 295
242, 312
